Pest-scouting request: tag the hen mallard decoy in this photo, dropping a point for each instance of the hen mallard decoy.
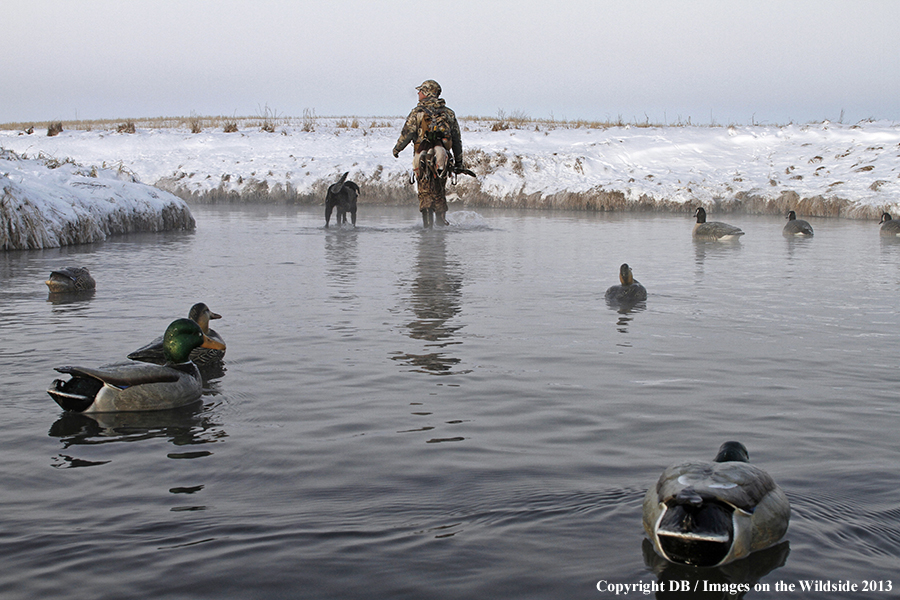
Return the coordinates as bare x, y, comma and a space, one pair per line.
201, 315
629, 292
138, 386
70, 279
889, 227
709, 514
714, 230
796, 227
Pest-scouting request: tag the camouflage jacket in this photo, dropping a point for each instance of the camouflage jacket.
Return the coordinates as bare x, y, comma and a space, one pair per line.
413, 130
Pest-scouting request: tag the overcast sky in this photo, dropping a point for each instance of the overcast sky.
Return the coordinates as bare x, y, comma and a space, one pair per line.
717, 61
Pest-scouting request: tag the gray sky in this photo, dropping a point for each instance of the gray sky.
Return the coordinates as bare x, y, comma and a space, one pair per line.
714, 61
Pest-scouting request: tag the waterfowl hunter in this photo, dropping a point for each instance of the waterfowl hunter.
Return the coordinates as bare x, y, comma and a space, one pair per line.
889, 227
138, 386
796, 227
70, 279
710, 514
629, 292
714, 230
201, 315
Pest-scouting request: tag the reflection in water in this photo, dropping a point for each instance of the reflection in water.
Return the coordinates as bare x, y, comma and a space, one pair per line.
715, 582
704, 249
186, 426
625, 310
342, 255
435, 299
795, 244
70, 297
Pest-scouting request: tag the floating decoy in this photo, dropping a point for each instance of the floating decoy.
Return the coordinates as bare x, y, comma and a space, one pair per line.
629, 292
710, 514
796, 227
201, 315
889, 227
70, 279
138, 386
714, 230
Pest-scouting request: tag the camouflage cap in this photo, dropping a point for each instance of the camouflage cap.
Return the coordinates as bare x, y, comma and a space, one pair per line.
430, 87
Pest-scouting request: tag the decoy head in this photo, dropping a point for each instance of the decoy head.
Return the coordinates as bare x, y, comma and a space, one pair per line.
791, 216
732, 452
200, 314
182, 336
700, 213
885, 217
625, 274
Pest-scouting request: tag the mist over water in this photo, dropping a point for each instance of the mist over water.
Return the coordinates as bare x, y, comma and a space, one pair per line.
452, 413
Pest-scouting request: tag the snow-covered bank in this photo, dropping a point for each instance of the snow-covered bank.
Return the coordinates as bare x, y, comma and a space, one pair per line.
822, 169
45, 203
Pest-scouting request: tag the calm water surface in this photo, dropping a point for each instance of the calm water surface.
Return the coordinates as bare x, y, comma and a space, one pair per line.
452, 413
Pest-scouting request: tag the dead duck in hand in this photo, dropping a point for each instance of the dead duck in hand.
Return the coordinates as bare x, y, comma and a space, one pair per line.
710, 514
200, 314
714, 231
138, 386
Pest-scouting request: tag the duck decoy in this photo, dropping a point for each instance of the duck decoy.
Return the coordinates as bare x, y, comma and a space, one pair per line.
70, 279
629, 292
889, 227
714, 230
710, 514
201, 315
138, 386
796, 227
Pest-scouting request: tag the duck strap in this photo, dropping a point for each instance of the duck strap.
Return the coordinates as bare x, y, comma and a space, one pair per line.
434, 128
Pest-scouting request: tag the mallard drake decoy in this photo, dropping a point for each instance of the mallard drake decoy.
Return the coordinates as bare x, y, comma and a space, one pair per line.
797, 227
138, 386
709, 514
889, 227
630, 291
201, 315
714, 230
70, 279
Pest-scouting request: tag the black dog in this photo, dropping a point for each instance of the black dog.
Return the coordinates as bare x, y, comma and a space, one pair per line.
341, 195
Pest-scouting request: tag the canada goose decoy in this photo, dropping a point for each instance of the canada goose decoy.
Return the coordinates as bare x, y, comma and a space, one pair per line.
714, 230
201, 315
138, 386
70, 279
889, 227
629, 292
710, 514
796, 227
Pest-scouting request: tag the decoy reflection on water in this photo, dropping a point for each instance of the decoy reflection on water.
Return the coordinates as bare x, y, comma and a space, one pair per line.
138, 386
796, 227
889, 227
714, 231
710, 514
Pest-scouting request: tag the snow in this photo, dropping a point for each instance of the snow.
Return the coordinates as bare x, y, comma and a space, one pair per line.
45, 203
822, 169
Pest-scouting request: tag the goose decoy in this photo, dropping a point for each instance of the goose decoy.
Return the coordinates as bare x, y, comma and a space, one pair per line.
629, 292
710, 514
201, 315
138, 386
714, 230
889, 227
796, 227
70, 279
